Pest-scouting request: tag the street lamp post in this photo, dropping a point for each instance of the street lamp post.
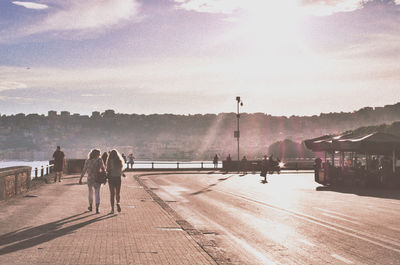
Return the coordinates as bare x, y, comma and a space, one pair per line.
237, 132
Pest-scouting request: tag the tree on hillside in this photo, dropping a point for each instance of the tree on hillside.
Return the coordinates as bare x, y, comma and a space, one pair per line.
288, 149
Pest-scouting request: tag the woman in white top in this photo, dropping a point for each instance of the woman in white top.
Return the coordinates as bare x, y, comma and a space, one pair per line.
93, 165
115, 166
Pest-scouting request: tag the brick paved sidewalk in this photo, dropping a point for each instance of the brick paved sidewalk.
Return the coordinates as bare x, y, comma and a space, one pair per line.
56, 228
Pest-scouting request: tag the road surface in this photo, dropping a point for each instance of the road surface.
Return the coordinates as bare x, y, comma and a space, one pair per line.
289, 220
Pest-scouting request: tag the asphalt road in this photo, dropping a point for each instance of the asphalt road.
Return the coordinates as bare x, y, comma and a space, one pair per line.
289, 220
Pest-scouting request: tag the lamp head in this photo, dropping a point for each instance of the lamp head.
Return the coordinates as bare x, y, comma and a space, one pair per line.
238, 99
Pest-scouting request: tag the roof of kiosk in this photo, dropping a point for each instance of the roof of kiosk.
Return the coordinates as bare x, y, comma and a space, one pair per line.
377, 142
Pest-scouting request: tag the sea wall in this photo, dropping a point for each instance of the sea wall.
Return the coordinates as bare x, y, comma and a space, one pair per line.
75, 166
14, 180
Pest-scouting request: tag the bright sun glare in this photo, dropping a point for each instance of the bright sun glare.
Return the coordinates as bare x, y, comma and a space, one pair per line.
271, 33
272, 25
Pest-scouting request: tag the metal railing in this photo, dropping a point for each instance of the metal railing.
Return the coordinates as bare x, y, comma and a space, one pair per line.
292, 164
44, 171
174, 165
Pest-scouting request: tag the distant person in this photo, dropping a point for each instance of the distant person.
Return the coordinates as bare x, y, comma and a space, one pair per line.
318, 163
115, 167
59, 161
374, 164
124, 157
228, 163
244, 165
93, 165
131, 160
264, 168
215, 161
272, 164
104, 157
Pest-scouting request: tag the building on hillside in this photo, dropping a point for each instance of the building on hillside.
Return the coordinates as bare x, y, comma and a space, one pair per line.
52, 114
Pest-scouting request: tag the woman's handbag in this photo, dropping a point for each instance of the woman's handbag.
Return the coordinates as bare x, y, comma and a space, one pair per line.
101, 177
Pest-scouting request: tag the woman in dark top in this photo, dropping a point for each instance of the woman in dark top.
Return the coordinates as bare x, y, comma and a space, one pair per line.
115, 166
104, 157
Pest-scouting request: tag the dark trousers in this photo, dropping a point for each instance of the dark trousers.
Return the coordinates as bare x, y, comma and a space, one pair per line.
114, 183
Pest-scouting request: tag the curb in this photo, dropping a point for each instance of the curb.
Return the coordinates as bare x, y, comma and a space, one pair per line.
210, 247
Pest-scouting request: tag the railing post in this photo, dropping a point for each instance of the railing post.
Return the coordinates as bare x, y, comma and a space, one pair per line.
152, 165
201, 164
177, 165
47, 170
42, 172
36, 172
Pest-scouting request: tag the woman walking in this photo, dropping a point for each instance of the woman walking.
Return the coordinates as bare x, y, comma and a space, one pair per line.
93, 166
115, 166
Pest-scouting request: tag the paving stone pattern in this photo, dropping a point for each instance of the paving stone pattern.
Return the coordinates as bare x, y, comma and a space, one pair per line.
56, 228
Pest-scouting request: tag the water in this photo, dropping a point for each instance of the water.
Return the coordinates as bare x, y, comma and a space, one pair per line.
138, 164
174, 164
32, 164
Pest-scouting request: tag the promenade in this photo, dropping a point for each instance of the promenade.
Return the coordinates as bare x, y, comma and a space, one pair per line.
51, 225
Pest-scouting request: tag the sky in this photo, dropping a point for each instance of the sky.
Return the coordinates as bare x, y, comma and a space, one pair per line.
286, 57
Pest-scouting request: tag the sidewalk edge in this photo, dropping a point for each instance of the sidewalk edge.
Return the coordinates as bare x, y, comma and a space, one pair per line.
208, 246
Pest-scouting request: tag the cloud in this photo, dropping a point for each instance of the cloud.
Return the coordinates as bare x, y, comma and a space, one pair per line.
94, 95
211, 6
72, 18
324, 8
89, 14
11, 85
313, 7
30, 5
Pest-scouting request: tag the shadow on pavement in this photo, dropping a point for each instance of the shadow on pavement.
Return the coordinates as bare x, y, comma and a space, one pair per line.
367, 192
32, 236
71, 177
207, 189
74, 184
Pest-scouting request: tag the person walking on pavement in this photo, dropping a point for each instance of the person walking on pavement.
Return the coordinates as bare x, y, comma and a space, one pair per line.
59, 161
215, 161
104, 157
93, 165
115, 167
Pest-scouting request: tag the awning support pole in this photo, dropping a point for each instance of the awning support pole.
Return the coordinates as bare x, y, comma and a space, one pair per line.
342, 159
355, 159
394, 161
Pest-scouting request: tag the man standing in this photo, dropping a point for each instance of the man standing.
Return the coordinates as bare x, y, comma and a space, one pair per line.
131, 160
244, 165
59, 159
264, 169
215, 161
228, 163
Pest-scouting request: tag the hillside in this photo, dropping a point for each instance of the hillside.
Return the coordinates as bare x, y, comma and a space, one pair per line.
168, 136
